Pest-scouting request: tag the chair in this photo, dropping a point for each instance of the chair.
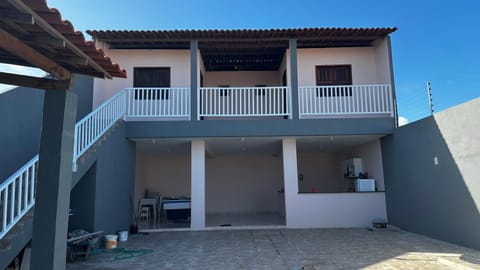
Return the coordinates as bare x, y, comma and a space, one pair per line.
145, 213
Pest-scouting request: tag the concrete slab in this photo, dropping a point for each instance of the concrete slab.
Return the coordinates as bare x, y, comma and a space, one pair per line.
285, 249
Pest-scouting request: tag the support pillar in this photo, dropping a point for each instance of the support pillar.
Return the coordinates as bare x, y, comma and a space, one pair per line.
50, 223
290, 177
294, 78
194, 80
198, 185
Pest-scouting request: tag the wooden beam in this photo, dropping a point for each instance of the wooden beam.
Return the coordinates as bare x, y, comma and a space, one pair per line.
52, 31
18, 48
15, 16
34, 82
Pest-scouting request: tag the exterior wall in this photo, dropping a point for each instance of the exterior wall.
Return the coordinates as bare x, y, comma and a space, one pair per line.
382, 61
166, 173
82, 202
258, 128
371, 154
177, 60
441, 201
243, 183
321, 171
242, 78
319, 210
21, 112
362, 60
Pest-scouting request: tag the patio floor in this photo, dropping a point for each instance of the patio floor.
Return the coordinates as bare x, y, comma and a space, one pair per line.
284, 249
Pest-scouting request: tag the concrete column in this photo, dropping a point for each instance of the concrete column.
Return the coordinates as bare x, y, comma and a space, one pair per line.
194, 79
50, 223
290, 177
294, 77
198, 185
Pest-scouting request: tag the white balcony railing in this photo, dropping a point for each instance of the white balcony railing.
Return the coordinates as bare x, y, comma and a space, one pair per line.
95, 124
17, 195
158, 102
244, 101
345, 100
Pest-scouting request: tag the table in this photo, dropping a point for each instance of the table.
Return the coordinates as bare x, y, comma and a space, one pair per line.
149, 202
177, 208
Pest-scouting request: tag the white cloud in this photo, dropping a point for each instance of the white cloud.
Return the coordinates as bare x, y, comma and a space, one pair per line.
402, 121
14, 69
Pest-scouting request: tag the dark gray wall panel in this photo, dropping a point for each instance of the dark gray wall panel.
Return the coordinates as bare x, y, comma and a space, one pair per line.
252, 128
21, 111
82, 202
436, 200
115, 182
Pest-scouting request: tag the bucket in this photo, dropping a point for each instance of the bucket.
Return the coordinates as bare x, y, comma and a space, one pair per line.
110, 241
122, 236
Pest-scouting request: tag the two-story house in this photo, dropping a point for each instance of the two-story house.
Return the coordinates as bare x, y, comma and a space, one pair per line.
255, 126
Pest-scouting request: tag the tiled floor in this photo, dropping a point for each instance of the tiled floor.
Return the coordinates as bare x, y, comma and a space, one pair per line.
214, 221
285, 249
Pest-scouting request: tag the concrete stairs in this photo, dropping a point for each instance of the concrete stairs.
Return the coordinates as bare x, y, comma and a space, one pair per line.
20, 235
16, 239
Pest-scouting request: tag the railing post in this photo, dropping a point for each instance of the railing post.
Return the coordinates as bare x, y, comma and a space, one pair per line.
194, 80
294, 113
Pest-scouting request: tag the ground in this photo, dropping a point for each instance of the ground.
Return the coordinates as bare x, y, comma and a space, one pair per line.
283, 249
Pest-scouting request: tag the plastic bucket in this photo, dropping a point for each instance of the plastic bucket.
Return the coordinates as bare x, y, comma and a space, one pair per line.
122, 236
110, 241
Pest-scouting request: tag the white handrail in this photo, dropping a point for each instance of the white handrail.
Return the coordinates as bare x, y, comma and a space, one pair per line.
345, 100
95, 124
158, 102
244, 101
17, 195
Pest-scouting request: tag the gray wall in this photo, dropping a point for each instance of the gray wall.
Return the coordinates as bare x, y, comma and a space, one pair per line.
246, 128
104, 190
21, 111
441, 201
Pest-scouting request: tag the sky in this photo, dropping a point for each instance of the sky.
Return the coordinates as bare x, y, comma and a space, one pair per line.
436, 41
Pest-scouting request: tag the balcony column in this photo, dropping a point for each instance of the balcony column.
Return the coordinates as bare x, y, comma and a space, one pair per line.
194, 80
292, 45
290, 177
50, 222
198, 185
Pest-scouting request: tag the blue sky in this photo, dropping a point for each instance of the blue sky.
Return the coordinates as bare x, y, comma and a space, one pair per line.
437, 41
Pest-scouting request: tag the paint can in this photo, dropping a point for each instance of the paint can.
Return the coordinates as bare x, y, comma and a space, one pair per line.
110, 241
122, 236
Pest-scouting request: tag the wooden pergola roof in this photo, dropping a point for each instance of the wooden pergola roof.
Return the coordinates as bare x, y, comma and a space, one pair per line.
34, 35
241, 49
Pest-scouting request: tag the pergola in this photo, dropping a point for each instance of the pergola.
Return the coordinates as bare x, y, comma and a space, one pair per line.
34, 35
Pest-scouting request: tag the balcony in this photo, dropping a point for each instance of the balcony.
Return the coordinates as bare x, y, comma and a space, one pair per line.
222, 103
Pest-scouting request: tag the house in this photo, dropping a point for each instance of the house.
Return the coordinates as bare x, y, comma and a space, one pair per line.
254, 125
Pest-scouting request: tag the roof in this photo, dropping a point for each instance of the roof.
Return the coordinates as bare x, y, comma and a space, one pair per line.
42, 29
241, 49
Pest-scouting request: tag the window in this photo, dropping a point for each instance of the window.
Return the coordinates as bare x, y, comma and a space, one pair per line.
151, 78
334, 75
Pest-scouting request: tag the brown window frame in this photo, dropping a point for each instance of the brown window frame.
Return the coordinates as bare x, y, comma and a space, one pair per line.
333, 81
163, 95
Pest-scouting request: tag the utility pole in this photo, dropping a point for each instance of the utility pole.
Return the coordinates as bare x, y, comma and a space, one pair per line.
430, 98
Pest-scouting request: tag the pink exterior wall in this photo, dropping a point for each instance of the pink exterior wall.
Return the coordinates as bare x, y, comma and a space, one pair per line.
245, 183
177, 60
242, 78
362, 60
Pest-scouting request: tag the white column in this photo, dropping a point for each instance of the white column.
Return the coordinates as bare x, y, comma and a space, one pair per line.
198, 185
290, 177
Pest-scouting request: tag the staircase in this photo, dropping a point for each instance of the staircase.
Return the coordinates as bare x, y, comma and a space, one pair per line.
17, 193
